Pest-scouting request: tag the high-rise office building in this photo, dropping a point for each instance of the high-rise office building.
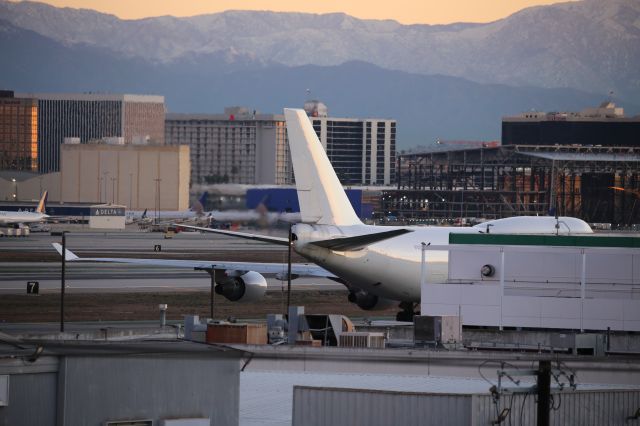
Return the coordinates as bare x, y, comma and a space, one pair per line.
241, 146
93, 116
361, 150
238, 146
605, 125
18, 133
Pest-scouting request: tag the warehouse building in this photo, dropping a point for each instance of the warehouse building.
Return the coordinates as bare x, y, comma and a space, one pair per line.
141, 383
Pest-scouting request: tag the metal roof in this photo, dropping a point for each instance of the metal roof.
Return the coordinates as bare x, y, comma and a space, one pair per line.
572, 156
12, 347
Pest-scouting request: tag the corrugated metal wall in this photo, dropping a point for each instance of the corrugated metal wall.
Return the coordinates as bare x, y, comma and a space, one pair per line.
32, 400
355, 407
333, 406
109, 388
581, 408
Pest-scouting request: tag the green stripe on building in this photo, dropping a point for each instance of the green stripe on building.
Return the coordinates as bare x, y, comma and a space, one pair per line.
545, 240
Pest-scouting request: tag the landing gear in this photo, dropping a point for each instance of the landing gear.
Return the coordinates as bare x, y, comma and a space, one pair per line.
407, 312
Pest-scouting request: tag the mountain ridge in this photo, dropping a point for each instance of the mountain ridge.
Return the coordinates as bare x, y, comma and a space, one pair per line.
590, 45
426, 107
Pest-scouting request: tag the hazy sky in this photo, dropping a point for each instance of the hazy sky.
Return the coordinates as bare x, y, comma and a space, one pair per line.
405, 11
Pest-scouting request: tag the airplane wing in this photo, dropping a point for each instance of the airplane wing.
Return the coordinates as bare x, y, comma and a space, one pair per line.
297, 269
359, 241
257, 237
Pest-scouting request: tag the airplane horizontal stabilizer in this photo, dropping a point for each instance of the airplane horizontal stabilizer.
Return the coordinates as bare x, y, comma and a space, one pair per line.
69, 254
358, 242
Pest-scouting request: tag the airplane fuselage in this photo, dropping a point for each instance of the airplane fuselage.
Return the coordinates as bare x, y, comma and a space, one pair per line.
390, 268
7, 217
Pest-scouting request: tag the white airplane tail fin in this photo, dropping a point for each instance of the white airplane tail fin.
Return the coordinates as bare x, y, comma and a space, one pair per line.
42, 204
69, 255
320, 194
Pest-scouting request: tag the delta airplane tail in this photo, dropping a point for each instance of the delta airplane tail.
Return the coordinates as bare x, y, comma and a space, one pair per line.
198, 205
42, 204
320, 194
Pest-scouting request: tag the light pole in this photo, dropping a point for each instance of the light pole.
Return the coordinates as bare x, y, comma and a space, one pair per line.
15, 189
289, 268
62, 275
104, 180
130, 191
158, 180
113, 190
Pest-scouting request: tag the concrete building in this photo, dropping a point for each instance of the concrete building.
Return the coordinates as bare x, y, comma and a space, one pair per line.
137, 176
605, 125
18, 133
234, 147
90, 116
141, 383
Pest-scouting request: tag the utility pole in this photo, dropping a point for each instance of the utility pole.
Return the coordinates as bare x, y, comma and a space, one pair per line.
544, 392
212, 297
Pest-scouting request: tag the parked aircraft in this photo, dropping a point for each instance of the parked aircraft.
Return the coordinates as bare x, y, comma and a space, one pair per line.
380, 265
195, 211
197, 214
8, 217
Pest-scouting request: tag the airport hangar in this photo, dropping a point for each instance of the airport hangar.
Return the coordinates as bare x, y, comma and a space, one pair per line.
452, 183
584, 164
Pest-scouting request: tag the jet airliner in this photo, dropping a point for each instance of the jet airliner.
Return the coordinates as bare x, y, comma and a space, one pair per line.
8, 217
380, 265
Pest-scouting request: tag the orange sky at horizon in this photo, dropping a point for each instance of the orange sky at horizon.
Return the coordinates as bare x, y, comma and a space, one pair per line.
404, 11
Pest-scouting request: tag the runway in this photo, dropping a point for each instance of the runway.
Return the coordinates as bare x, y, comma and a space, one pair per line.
133, 242
19, 262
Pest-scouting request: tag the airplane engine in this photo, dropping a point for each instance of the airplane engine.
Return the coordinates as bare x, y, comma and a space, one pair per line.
242, 287
370, 302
